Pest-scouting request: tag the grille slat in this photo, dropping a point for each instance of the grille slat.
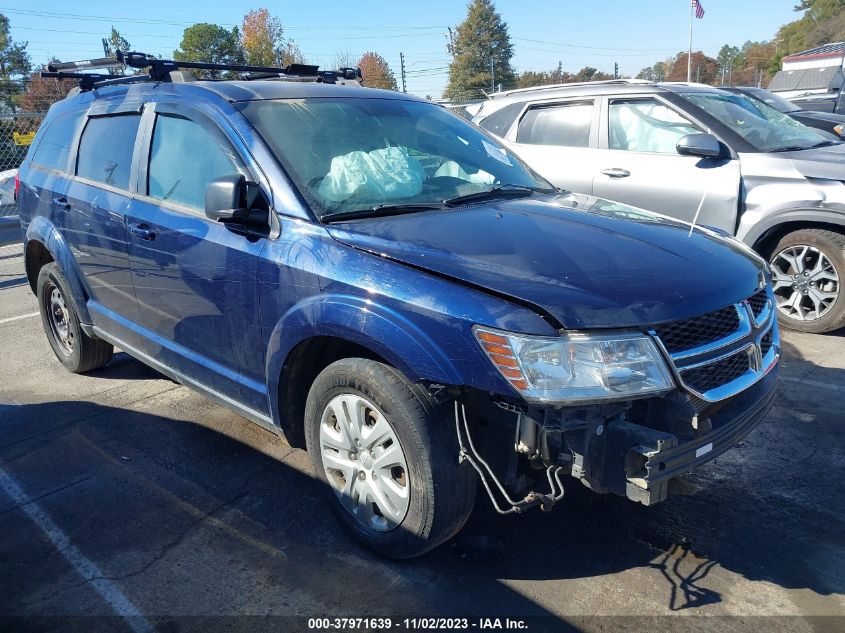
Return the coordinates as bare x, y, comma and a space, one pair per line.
681, 336
758, 302
766, 342
703, 379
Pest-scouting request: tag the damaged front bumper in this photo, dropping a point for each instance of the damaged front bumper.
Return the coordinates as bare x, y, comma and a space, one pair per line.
636, 460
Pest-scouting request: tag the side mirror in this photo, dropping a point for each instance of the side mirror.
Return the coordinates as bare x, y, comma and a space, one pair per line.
224, 198
704, 145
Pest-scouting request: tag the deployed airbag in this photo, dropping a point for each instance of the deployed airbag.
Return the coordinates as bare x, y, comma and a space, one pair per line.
377, 176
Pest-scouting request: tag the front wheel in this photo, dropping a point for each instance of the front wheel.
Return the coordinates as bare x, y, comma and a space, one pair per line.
388, 458
808, 268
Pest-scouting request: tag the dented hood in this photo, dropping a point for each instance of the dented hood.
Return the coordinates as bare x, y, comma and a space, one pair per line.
578, 260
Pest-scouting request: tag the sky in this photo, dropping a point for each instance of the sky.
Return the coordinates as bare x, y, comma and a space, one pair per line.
577, 33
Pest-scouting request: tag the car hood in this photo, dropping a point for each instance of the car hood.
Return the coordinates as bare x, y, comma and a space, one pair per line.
819, 116
823, 162
579, 261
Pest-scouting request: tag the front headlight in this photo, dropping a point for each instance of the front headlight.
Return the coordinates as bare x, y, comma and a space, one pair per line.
576, 368
839, 129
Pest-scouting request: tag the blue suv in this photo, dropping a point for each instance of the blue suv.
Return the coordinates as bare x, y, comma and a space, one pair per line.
387, 285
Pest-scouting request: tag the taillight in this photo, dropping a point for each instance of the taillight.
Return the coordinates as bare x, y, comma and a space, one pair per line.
17, 184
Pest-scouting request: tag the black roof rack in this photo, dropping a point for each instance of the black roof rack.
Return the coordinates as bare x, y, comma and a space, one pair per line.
160, 69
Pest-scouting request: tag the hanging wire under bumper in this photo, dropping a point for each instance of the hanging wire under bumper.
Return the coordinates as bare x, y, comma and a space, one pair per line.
533, 499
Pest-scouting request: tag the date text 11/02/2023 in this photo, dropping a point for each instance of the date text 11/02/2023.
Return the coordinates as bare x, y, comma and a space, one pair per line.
418, 623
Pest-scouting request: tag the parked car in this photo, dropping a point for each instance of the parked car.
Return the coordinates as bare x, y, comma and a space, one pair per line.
383, 283
832, 101
702, 155
827, 121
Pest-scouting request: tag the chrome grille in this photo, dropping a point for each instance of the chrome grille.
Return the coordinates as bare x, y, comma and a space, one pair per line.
766, 342
721, 353
681, 336
759, 301
721, 372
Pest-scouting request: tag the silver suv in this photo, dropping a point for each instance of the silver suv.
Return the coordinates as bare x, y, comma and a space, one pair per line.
702, 155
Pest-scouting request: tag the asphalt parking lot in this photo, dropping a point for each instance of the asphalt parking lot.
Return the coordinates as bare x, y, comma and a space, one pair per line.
123, 492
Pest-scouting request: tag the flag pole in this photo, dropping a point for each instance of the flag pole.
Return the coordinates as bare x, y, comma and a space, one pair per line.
689, 53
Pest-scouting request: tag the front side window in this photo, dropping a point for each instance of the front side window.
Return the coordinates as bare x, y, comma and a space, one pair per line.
106, 149
763, 127
184, 157
645, 125
53, 150
565, 124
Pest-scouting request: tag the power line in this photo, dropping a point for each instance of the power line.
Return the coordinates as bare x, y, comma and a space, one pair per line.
106, 18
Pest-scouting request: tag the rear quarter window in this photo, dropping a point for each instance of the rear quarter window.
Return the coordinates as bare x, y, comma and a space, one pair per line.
106, 149
501, 120
54, 148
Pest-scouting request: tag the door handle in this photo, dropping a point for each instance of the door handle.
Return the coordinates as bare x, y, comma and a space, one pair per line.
143, 231
62, 203
616, 172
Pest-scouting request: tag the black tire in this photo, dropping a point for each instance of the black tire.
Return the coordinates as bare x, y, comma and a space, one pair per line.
832, 245
77, 351
442, 491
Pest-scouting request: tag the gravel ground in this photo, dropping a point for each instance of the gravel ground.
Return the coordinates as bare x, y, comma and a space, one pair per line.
122, 492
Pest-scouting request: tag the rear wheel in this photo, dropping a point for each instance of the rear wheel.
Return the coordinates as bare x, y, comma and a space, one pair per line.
77, 351
388, 458
808, 268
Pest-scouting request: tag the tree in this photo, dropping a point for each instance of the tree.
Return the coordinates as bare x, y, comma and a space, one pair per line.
113, 43
482, 42
42, 93
344, 59
376, 72
727, 61
15, 64
263, 41
588, 73
704, 69
212, 44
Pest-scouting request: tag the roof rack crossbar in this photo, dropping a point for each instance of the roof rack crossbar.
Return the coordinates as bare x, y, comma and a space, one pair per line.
160, 69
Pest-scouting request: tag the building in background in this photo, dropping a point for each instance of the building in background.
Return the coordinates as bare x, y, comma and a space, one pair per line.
814, 71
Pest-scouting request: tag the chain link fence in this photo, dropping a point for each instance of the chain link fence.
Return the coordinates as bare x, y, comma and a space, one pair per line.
16, 134
23, 106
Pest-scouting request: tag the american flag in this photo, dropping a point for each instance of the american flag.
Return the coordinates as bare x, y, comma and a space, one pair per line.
699, 10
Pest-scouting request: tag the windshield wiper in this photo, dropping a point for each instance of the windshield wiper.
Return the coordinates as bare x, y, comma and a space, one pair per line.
500, 191
799, 148
380, 211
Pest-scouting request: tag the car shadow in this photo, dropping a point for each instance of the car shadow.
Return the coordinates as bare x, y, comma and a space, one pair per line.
767, 511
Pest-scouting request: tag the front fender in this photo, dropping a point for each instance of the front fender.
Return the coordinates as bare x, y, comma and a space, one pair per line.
829, 214
42, 230
366, 323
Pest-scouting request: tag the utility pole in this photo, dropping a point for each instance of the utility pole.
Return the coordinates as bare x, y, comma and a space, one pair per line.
492, 74
402, 69
689, 51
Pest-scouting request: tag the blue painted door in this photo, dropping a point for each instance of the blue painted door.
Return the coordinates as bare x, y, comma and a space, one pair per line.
195, 279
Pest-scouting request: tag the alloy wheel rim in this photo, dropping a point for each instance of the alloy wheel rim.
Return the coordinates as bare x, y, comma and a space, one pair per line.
805, 282
59, 319
364, 462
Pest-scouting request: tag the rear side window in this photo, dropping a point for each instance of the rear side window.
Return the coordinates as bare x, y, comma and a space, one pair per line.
563, 124
105, 151
53, 150
184, 157
501, 120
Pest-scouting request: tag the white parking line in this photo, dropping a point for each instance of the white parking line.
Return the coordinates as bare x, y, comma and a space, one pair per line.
814, 383
83, 566
18, 318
